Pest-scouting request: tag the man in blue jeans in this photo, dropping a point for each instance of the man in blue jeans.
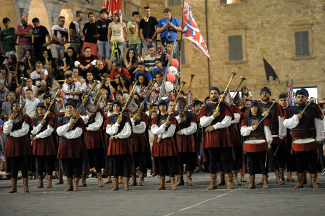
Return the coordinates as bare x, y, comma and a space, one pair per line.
148, 30
102, 43
168, 27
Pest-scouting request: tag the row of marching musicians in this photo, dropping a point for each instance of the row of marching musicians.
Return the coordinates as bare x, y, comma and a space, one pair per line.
264, 125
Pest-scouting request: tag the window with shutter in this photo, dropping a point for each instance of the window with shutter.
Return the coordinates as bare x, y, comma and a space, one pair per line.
302, 44
235, 48
175, 3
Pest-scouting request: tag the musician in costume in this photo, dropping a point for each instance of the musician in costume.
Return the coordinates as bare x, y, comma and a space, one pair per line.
18, 148
90, 81
43, 144
186, 127
217, 139
139, 143
258, 138
94, 140
119, 128
58, 163
108, 168
71, 149
289, 158
164, 147
278, 137
237, 162
307, 130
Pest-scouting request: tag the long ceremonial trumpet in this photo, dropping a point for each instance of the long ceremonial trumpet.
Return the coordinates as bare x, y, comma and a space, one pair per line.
150, 90
127, 101
182, 85
241, 81
224, 93
192, 76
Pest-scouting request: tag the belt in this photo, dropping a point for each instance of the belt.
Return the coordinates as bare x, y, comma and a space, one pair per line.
65, 139
303, 131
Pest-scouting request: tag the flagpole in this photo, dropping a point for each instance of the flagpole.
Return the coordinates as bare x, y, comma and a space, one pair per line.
180, 47
207, 30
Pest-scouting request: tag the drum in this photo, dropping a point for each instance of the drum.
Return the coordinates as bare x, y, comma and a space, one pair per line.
307, 144
258, 145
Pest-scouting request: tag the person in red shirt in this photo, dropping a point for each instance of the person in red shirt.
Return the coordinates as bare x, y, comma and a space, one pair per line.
24, 31
116, 71
85, 62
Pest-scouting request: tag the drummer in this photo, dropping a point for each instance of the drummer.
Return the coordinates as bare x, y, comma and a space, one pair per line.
258, 139
307, 130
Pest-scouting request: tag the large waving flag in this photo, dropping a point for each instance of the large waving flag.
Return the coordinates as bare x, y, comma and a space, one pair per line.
291, 94
191, 31
270, 71
113, 6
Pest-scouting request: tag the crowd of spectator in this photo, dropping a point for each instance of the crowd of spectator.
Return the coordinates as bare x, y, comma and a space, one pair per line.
36, 61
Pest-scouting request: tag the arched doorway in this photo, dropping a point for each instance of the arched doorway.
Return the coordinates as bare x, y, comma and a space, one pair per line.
8, 9
38, 9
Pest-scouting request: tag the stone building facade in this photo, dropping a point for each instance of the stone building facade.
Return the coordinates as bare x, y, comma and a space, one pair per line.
289, 34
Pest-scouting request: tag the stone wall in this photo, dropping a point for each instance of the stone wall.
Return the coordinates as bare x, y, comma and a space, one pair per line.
268, 30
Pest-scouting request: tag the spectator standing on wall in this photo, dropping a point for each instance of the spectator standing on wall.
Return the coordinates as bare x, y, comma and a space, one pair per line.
24, 31
148, 31
102, 43
90, 35
168, 27
59, 38
7, 39
133, 30
41, 38
117, 36
74, 33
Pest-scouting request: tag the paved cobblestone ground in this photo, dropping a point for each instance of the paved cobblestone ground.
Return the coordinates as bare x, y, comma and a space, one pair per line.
195, 200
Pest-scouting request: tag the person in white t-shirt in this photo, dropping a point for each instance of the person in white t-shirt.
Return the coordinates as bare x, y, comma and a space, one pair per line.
29, 85
31, 103
39, 75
